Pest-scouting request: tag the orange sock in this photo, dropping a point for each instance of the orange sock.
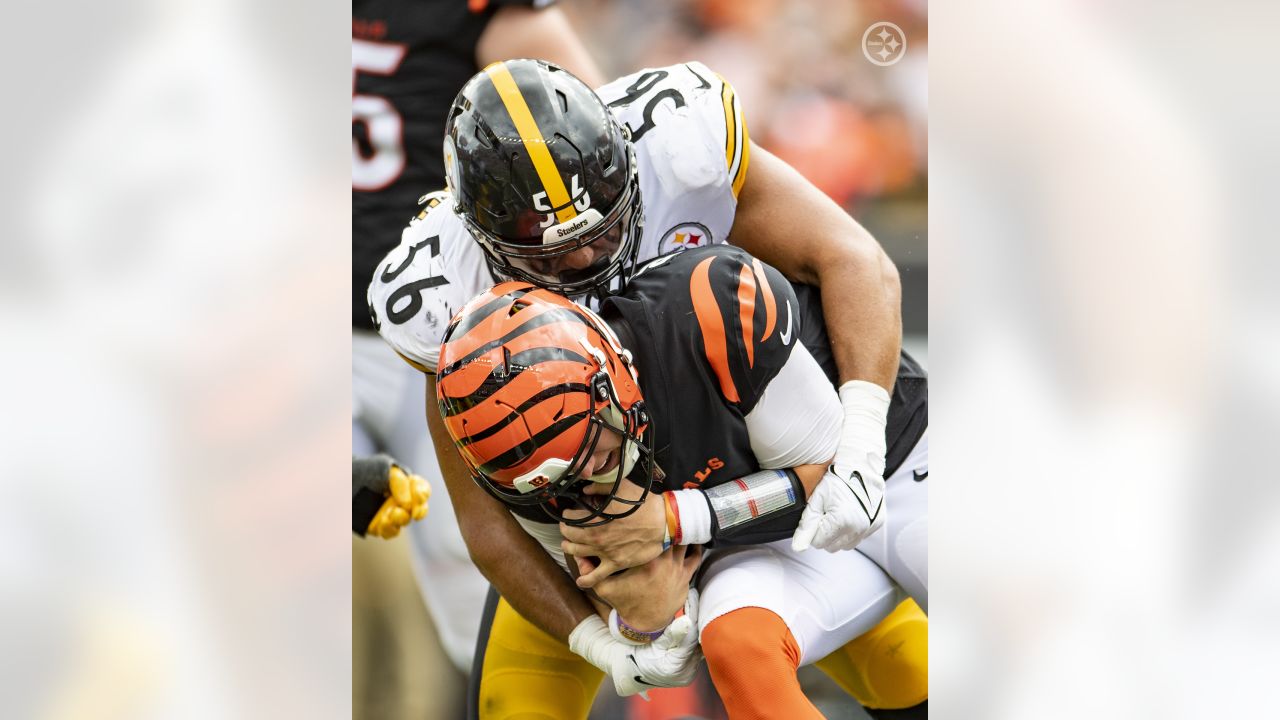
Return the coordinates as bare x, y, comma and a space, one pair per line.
753, 658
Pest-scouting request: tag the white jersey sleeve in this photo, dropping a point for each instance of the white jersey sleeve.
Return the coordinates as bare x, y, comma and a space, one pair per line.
691, 148
421, 283
798, 417
699, 133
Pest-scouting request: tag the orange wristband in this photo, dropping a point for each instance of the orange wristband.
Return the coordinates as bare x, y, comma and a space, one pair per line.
673, 517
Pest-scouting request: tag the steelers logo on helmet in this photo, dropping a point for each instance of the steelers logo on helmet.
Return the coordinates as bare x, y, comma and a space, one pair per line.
450, 164
545, 178
542, 400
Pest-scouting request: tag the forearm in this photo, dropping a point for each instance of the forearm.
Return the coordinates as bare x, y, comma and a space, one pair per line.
810, 476
528, 579
861, 292
866, 343
759, 508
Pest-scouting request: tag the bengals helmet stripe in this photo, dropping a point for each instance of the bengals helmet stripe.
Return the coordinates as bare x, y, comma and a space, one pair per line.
512, 416
471, 320
712, 326
534, 144
520, 456
517, 363
502, 429
543, 318
770, 305
529, 384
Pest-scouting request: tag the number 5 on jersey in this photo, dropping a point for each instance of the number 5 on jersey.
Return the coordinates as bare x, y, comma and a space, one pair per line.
380, 165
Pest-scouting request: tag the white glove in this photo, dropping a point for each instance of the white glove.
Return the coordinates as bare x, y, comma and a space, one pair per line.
670, 661
848, 504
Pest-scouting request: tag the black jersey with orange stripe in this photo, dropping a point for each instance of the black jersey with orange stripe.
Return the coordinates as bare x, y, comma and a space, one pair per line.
408, 61
709, 329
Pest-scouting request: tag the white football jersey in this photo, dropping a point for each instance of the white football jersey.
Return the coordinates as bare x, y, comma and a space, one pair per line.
690, 143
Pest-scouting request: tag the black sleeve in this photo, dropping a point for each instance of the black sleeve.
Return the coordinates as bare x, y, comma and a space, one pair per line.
369, 488
747, 317
778, 525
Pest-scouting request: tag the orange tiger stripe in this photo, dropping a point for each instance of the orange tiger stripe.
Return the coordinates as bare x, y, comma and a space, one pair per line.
519, 431
747, 311
513, 395
770, 307
712, 326
482, 335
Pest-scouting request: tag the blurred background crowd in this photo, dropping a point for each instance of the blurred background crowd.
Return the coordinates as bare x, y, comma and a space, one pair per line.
856, 130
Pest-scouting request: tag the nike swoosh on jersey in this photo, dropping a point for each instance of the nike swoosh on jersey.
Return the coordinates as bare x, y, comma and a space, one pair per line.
786, 336
919, 476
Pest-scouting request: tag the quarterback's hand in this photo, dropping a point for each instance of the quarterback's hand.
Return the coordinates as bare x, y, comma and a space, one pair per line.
406, 502
647, 597
670, 661
848, 504
623, 543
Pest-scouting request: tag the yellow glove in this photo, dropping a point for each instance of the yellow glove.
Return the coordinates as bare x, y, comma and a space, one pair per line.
406, 503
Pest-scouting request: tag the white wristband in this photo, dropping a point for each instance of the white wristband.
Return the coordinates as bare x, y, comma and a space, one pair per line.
695, 517
862, 438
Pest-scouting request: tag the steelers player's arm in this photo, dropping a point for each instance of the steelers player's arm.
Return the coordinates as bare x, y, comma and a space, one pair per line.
411, 297
787, 222
514, 562
519, 31
749, 321
790, 224
791, 412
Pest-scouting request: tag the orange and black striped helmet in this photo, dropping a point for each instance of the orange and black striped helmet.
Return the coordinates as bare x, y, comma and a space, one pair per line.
527, 384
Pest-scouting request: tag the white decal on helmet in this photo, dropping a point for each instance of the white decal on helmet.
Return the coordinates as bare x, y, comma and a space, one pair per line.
571, 228
541, 204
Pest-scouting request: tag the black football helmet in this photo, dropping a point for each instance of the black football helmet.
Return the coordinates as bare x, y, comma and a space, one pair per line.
545, 178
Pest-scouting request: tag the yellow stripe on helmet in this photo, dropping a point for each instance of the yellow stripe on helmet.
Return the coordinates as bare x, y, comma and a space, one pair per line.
531, 136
